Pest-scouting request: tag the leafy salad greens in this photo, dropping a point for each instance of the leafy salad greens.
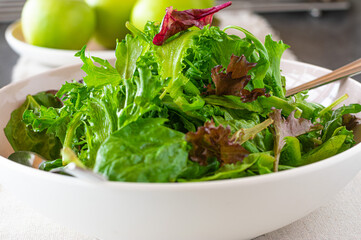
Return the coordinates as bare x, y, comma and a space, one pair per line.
182, 104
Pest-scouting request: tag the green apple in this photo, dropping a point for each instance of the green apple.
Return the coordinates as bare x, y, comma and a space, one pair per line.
154, 10
111, 17
65, 24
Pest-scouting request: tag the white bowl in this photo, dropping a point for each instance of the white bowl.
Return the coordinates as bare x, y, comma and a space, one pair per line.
219, 210
49, 56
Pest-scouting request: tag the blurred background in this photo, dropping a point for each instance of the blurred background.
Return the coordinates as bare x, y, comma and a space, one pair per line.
321, 32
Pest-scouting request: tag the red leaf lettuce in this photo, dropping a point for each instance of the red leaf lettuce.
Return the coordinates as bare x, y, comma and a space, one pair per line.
177, 21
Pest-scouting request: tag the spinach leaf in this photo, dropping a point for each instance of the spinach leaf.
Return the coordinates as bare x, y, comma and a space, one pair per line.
349, 141
261, 162
48, 165
143, 151
336, 119
195, 170
291, 152
328, 149
264, 163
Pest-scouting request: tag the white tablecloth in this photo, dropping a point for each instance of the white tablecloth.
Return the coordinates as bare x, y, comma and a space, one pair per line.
340, 218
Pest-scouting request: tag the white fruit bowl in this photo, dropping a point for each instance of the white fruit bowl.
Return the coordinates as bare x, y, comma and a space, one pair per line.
219, 210
49, 56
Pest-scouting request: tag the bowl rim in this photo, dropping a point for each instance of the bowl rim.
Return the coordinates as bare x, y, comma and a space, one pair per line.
251, 180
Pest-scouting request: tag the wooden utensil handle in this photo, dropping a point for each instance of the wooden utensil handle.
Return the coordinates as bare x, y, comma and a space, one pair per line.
350, 69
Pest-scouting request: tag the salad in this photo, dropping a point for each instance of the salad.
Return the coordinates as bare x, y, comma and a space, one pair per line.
185, 101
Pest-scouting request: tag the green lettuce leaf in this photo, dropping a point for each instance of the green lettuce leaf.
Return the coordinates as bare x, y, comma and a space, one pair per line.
291, 152
141, 95
98, 75
169, 58
335, 121
328, 149
127, 54
233, 102
195, 171
309, 110
259, 72
23, 138
275, 51
256, 162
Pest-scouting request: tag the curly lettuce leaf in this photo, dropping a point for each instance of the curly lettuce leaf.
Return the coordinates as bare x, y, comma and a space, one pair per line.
90, 115
213, 47
100, 75
101, 121
267, 72
23, 138
141, 93
127, 53
273, 79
